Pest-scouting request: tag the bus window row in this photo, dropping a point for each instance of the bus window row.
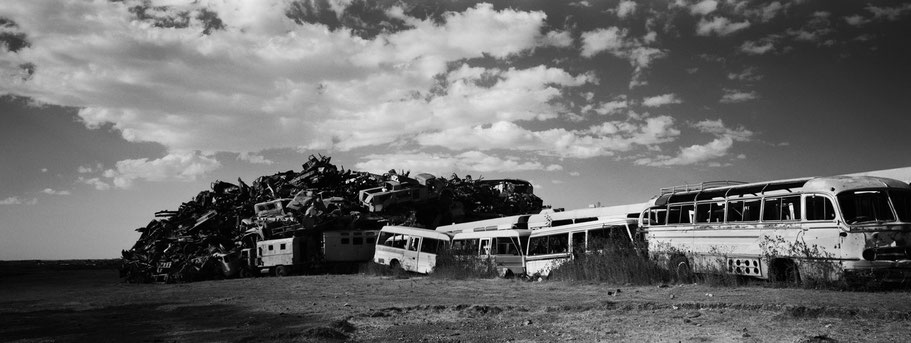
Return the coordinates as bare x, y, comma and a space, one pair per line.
771, 209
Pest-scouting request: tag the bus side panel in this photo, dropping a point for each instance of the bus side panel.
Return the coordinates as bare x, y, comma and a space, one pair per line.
385, 254
543, 264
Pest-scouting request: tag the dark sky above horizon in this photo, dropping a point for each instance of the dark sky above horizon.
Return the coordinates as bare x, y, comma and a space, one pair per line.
113, 110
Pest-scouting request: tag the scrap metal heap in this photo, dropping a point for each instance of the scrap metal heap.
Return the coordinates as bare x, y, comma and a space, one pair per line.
197, 241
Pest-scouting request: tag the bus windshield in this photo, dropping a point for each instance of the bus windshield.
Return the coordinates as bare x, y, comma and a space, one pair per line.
865, 206
902, 202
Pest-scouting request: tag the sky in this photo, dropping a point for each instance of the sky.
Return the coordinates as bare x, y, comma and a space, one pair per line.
113, 110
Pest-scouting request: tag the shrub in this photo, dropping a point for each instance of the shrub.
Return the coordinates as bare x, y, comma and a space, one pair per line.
459, 267
614, 261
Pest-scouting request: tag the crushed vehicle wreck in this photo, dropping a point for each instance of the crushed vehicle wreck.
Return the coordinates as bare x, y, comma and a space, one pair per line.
332, 216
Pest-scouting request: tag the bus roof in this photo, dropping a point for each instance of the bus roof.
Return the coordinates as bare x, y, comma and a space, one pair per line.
601, 222
833, 185
415, 231
482, 225
838, 184
494, 233
591, 212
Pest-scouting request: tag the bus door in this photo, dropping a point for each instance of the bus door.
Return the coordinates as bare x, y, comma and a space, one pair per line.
577, 242
411, 253
485, 247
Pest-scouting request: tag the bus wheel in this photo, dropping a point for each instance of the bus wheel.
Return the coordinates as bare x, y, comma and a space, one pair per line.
281, 271
784, 271
681, 268
244, 273
394, 265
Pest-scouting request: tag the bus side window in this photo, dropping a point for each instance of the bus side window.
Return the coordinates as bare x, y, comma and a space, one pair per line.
431, 246
819, 208
558, 244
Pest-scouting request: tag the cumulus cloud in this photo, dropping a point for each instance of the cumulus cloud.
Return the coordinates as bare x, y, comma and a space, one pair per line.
735, 96
748, 74
176, 166
856, 20
55, 192
720, 26
19, 201
704, 7
254, 158
626, 8
707, 153
612, 107
889, 13
599, 140
768, 12
661, 100
615, 41
560, 39
285, 83
756, 48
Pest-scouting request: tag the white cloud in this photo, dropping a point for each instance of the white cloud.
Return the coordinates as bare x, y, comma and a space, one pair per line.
661, 100
575, 173
735, 96
626, 8
612, 107
856, 20
286, 85
718, 128
610, 39
254, 158
768, 12
704, 7
176, 166
554, 167
44, 170
54, 192
704, 153
748, 74
615, 41
445, 164
18, 201
889, 13
693, 154
756, 48
720, 26
601, 140
560, 39
95, 182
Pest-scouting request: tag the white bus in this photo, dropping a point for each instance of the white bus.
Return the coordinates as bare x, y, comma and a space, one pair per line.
505, 248
549, 247
827, 228
412, 249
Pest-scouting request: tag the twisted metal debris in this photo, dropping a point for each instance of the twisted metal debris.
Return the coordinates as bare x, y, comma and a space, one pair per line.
199, 239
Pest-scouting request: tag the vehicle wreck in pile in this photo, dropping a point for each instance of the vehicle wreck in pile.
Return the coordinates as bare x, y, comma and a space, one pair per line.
322, 218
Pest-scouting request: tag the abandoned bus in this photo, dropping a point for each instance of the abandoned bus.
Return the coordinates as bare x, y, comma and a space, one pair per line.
504, 247
826, 228
412, 249
550, 247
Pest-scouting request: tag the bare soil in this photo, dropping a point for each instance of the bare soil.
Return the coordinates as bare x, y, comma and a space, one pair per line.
95, 306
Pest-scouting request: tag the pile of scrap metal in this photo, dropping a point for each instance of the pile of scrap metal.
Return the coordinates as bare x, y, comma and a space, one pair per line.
204, 237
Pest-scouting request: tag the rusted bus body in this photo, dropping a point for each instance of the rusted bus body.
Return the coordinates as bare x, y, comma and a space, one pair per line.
413, 249
824, 228
550, 247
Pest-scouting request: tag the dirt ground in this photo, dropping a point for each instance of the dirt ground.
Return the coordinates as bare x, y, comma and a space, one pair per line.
95, 306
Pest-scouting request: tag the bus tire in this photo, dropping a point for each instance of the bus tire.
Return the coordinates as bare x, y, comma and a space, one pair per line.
281, 270
394, 265
680, 266
784, 271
